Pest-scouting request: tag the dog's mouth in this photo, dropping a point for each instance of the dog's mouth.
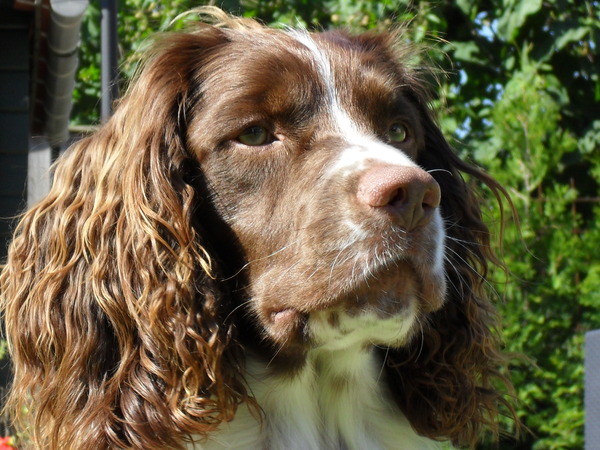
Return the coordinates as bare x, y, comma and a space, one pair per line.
377, 278
388, 288
390, 296
298, 332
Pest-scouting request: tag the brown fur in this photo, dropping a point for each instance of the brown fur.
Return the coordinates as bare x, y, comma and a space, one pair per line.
125, 290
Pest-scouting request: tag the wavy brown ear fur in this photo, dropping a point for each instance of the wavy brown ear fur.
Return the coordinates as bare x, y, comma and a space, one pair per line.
449, 381
113, 317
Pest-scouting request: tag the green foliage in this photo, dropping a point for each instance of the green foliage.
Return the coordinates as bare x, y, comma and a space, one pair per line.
86, 96
521, 99
528, 150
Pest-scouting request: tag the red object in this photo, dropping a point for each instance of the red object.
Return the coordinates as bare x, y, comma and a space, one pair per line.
5, 443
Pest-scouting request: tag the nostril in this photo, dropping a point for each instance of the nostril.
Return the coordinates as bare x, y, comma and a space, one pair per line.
432, 196
409, 193
398, 198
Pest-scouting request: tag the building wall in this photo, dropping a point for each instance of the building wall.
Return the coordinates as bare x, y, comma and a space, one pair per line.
14, 115
14, 135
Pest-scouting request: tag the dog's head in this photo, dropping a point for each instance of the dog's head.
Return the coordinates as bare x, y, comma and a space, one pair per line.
260, 188
309, 149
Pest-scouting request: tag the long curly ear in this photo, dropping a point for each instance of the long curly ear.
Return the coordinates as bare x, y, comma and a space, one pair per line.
449, 381
113, 317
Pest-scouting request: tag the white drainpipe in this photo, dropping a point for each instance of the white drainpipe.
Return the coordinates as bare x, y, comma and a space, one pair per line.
63, 44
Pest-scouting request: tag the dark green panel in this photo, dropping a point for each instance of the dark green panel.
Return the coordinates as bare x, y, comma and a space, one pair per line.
14, 91
14, 132
15, 48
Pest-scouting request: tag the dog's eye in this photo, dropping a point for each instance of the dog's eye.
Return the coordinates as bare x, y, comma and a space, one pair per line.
254, 136
398, 132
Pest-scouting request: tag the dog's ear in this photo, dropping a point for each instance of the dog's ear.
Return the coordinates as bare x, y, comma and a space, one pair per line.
112, 312
449, 381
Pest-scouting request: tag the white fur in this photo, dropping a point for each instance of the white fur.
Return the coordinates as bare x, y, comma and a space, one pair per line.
309, 412
337, 400
354, 331
365, 150
440, 238
341, 119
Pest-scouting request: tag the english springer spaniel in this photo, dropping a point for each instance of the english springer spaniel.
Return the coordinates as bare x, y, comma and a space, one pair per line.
269, 245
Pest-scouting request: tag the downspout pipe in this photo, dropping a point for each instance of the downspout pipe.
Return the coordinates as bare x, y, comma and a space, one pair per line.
63, 45
109, 66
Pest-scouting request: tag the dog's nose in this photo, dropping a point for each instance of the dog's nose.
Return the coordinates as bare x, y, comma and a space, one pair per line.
410, 193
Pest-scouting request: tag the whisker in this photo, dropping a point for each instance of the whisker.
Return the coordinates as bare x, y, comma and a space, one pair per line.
464, 243
383, 361
236, 308
261, 259
472, 269
276, 353
440, 170
422, 340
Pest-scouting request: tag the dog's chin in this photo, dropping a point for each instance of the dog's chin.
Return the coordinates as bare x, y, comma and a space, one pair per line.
393, 287
295, 335
381, 309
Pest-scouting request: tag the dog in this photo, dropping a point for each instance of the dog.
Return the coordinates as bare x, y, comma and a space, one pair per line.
269, 245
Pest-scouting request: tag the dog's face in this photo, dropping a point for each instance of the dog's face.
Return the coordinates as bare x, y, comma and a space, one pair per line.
310, 146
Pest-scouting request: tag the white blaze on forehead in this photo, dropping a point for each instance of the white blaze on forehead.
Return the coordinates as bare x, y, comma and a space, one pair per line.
362, 147
341, 119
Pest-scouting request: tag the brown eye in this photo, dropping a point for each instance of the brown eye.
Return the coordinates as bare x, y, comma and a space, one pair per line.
254, 136
398, 132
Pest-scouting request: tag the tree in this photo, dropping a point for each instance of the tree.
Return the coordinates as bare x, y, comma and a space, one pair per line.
520, 98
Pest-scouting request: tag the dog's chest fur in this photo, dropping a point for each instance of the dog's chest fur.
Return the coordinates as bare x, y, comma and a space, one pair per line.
337, 401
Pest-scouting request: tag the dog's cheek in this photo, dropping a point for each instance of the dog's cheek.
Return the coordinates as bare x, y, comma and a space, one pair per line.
251, 199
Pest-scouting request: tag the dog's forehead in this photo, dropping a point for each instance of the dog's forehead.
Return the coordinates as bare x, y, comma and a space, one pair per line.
333, 58
345, 59
361, 79
333, 81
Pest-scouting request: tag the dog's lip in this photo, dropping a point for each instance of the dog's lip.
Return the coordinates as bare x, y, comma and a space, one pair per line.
284, 322
283, 314
413, 261
284, 317
432, 285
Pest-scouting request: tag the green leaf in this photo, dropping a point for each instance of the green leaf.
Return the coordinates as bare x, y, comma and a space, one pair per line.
468, 52
572, 35
591, 141
466, 6
515, 15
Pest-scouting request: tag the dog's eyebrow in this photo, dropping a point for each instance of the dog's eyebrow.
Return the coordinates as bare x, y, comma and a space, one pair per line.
322, 64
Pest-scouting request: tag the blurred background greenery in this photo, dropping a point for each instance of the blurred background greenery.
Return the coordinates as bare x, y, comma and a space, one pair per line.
520, 96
